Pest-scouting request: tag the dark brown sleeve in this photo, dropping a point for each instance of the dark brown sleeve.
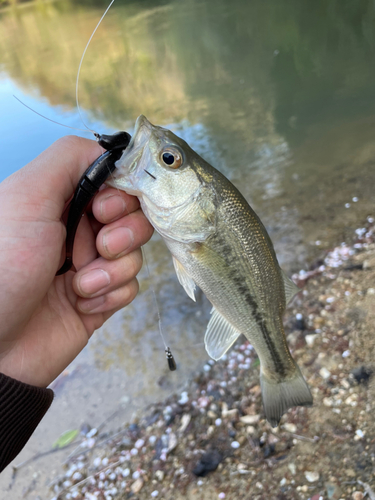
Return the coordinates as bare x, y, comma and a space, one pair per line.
22, 407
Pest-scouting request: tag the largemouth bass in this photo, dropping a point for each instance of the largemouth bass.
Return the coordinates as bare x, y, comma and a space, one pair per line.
219, 244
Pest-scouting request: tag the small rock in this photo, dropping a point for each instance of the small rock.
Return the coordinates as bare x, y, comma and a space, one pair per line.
235, 444
362, 374
324, 373
159, 474
310, 339
290, 427
250, 419
292, 468
312, 476
208, 463
137, 485
333, 491
357, 495
155, 493
172, 443
185, 421
250, 430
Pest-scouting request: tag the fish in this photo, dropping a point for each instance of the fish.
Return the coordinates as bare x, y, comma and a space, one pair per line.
219, 244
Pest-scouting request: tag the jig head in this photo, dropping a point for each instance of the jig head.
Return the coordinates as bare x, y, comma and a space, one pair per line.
88, 186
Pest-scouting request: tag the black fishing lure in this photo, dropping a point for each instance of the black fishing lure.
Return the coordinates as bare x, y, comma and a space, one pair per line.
89, 184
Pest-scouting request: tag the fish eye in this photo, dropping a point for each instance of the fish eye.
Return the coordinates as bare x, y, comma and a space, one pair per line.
171, 157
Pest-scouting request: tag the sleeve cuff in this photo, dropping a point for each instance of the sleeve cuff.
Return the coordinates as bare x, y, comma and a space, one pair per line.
22, 407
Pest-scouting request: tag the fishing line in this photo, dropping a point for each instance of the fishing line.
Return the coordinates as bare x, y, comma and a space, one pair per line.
81, 61
49, 119
170, 359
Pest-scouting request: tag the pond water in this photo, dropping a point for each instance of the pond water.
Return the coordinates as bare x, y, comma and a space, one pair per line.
277, 95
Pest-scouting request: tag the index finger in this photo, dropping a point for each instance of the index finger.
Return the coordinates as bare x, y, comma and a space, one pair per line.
111, 204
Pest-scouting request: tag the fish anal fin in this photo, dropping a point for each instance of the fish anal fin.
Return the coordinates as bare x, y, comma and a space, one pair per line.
279, 396
291, 289
220, 335
185, 280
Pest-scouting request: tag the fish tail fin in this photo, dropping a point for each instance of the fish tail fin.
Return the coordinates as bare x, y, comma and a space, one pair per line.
279, 396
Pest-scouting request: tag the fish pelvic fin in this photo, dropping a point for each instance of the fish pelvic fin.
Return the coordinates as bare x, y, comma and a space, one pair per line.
279, 396
220, 335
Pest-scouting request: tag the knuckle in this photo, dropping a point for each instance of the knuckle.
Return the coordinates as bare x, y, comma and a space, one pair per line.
133, 263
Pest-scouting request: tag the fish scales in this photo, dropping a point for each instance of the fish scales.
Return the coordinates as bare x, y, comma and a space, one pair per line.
234, 284
219, 244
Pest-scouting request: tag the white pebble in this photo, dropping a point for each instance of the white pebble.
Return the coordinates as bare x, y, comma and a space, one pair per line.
155, 493
324, 373
92, 433
290, 427
152, 440
207, 368
136, 474
311, 476
77, 476
139, 443
347, 205
355, 199
134, 451
200, 482
125, 472
97, 462
123, 485
345, 354
235, 444
218, 422
102, 476
105, 461
112, 476
360, 433
221, 495
183, 399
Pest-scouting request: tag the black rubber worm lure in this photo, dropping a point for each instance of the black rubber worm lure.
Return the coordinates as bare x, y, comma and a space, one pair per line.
89, 184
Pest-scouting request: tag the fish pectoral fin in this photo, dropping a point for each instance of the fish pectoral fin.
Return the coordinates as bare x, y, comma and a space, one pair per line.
220, 335
291, 289
185, 280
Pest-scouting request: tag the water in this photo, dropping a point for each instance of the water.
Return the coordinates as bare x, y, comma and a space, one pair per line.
277, 95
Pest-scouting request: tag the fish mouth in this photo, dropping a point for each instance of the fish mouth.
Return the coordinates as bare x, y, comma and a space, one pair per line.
124, 175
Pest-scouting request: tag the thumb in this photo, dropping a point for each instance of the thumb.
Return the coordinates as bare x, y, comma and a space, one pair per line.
57, 170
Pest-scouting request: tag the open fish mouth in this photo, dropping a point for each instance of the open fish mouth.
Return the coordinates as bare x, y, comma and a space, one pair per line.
125, 174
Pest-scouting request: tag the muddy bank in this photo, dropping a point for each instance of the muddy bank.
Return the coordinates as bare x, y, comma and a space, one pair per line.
212, 441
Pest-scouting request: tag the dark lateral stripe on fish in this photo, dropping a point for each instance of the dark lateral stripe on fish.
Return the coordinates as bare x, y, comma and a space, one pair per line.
260, 320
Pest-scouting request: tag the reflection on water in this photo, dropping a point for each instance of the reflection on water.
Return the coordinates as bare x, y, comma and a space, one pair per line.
278, 95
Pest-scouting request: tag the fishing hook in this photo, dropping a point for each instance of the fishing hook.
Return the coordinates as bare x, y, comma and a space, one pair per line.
89, 184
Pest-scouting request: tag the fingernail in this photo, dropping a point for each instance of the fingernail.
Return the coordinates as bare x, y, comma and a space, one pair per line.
112, 207
117, 241
91, 304
93, 281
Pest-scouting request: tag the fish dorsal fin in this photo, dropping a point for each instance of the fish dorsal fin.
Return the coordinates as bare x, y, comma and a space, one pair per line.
220, 335
185, 280
291, 289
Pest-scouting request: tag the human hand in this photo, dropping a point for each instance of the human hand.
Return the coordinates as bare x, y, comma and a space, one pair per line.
45, 321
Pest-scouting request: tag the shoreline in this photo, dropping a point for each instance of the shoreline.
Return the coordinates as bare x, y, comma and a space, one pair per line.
212, 441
